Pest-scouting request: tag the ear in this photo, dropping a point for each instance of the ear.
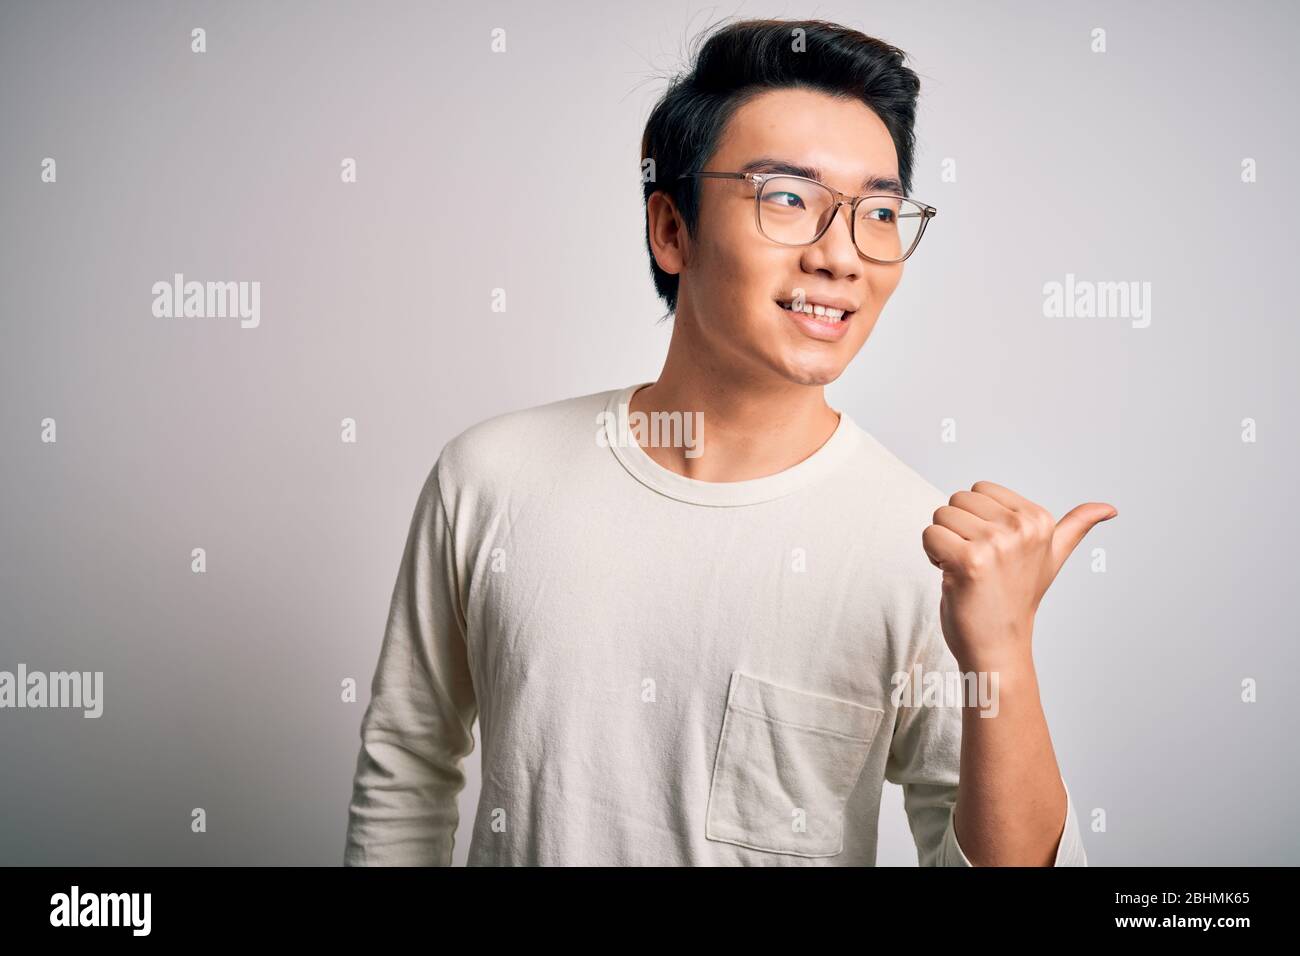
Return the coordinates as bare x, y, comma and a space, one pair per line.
667, 232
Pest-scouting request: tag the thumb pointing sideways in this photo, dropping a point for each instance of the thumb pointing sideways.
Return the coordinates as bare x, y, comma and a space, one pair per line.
1071, 529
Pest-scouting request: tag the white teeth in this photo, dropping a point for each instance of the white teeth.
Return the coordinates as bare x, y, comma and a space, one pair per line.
825, 311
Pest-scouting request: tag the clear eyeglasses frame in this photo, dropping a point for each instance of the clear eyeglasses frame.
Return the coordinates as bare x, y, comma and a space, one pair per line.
921, 212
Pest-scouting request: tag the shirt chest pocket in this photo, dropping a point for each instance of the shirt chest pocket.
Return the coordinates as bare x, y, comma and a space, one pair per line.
787, 761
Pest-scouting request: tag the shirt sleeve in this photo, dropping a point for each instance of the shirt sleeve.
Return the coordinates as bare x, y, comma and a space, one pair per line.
1069, 852
925, 759
417, 728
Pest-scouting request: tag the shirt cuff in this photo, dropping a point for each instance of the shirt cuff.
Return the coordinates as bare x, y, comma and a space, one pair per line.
1069, 852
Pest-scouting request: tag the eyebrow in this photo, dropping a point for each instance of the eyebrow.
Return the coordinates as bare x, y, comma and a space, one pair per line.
770, 164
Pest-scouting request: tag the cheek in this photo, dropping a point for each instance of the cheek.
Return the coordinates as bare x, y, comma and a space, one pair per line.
748, 278
727, 263
863, 324
883, 280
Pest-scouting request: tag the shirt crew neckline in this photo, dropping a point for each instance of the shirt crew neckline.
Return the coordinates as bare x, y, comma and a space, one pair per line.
655, 476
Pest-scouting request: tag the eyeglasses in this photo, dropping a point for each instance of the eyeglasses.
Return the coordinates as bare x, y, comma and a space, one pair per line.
797, 211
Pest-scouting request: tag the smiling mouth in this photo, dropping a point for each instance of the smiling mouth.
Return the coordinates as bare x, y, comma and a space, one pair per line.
819, 313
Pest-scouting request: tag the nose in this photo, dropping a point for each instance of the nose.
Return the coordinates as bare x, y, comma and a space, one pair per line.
835, 252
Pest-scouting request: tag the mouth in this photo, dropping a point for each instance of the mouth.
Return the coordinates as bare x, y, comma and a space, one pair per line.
818, 321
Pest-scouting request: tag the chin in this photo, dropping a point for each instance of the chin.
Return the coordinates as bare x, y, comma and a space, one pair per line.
811, 375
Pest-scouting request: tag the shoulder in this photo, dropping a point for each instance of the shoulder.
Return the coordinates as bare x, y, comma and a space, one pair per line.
894, 504
893, 481
505, 445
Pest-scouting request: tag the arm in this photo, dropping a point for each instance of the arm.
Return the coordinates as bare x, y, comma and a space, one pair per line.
930, 757
999, 552
1012, 805
418, 726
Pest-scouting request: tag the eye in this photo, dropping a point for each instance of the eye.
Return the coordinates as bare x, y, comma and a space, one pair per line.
784, 198
879, 214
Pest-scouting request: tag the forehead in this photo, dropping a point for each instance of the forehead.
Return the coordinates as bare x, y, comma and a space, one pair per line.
842, 137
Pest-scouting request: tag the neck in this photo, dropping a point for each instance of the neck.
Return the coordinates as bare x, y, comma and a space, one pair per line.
754, 424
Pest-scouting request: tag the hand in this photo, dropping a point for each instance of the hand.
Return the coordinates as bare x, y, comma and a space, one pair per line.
999, 552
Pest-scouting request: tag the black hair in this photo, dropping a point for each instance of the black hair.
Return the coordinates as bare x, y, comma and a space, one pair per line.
741, 60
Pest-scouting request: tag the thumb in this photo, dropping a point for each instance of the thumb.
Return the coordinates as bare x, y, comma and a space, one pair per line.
1071, 529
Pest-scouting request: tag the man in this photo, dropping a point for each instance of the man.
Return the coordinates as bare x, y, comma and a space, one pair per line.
714, 652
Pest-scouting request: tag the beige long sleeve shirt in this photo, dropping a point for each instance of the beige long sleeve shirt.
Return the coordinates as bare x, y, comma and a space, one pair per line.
665, 671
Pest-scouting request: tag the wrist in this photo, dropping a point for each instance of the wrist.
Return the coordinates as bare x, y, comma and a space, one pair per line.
1011, 672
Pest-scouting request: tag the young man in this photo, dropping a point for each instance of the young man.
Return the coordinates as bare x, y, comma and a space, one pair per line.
715, 652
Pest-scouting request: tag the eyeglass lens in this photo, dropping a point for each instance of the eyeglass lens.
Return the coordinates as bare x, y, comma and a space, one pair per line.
794, 210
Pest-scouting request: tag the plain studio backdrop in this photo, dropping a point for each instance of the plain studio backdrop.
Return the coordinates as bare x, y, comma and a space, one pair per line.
1165, 161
